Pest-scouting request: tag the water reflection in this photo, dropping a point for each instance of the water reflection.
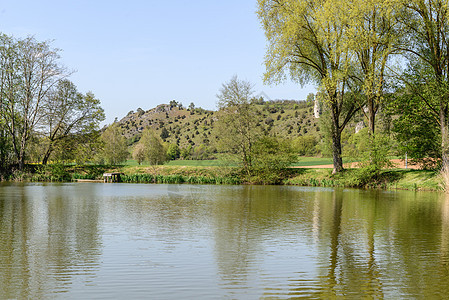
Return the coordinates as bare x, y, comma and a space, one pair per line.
47, 238
184, 241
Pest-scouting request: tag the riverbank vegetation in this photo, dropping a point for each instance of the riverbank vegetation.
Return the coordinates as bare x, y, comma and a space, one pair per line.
381, 68
392, 179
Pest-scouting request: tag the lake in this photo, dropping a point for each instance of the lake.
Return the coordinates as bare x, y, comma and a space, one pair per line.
134, 241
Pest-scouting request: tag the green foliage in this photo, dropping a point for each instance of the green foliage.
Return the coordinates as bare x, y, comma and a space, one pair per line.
236, 128
200, 152
29, 69
419, 139
56, 172
164, 134
173, 152
186, 152
155, 154
372, 151
68, 113
139, 153
272, 155
306, 145
88, 147
177, 179
115, 150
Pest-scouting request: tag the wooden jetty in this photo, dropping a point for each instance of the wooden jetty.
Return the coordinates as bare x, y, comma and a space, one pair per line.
112, 177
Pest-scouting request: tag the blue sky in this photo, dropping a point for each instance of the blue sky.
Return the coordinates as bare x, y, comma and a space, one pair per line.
134, 53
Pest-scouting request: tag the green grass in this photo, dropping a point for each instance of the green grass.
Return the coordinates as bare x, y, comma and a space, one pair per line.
302, 162
184, 163
198, 163
417, 180
214, 174
312, 161
423, 180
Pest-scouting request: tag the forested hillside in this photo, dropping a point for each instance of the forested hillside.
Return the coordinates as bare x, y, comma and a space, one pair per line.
194, 127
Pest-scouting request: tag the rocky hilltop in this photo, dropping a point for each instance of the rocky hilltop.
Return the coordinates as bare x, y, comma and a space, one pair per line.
195, 126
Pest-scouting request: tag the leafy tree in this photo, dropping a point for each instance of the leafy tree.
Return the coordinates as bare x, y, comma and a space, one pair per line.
305, 145
237, 125
155, 153
310, 98
186, 152
419, 139
272, 155
427, 50
68, 112
311, 47
139, 153
374, 38
29, 70
164, 134
87, 147
173, 152
115, 150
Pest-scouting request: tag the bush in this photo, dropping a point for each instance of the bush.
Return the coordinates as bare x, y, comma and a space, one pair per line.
272, 156
306, 145
56, 172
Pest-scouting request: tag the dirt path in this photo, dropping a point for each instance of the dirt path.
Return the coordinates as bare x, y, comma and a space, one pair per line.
398, 163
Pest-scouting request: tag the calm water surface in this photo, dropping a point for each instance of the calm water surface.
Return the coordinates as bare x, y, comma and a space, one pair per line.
128, 241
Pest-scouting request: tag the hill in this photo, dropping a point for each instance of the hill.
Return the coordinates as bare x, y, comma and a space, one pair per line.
195, 126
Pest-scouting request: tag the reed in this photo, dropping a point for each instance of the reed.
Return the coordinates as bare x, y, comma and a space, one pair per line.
177, 179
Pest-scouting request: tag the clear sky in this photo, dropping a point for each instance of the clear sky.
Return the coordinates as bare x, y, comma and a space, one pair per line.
140, 53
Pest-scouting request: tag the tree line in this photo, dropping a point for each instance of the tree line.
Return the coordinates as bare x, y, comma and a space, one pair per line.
41, 111
366, 57
360, 53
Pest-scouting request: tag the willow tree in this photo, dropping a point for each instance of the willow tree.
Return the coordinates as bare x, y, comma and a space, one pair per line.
308, 45
374, 36
427, 22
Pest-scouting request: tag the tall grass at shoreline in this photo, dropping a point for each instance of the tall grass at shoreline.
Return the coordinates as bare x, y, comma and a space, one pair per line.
386, 179
150, 178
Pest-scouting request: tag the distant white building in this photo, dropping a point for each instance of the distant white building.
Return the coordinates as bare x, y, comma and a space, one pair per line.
359, 126
317, 108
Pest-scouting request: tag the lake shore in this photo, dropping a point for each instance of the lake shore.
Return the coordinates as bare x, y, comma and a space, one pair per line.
318, 175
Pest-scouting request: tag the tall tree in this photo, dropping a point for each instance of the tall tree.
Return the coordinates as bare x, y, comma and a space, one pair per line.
311, 47
374, 37
7, 52
237, 124
139, 153
115, 150
427, 22
153, 147
32, 69
67, 113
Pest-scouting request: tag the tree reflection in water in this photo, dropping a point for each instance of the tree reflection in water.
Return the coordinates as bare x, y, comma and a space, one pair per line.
169, 241
46, 239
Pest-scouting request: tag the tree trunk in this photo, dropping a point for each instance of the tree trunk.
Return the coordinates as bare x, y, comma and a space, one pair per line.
336, 141
21, 159
47, 155
444, 136
371, 115
336, 151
